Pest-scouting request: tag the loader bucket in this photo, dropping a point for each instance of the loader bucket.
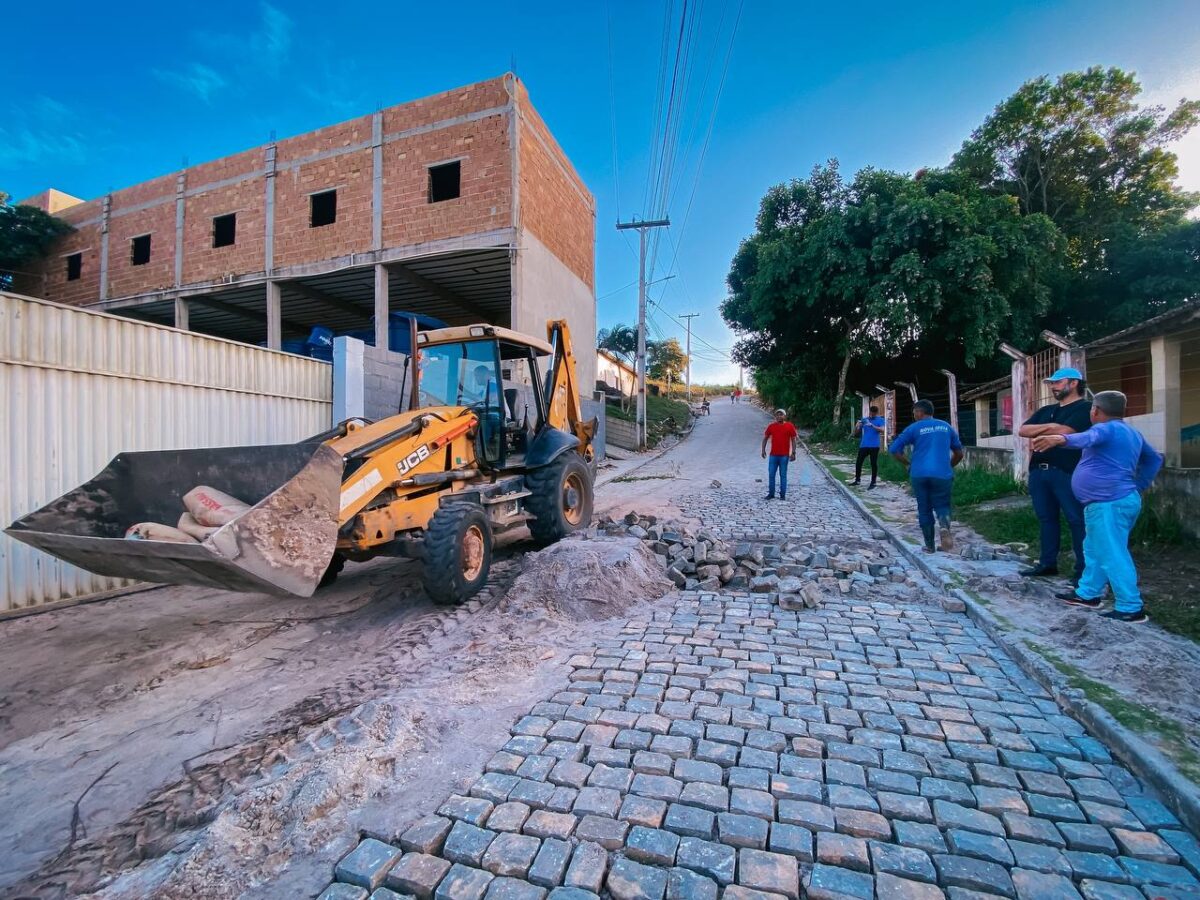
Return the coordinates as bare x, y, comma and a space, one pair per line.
280, 546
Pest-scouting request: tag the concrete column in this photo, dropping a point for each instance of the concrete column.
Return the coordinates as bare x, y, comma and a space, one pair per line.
983, 415
348, 379
105, 218
1166, 395
377, 181
1020, 460
269, 211
181, 313
952, 381
180, 188
382, 307
274, 316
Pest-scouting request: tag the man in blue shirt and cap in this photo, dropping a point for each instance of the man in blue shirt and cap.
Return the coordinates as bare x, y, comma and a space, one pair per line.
936, 450
872, 429
1116, 467
1050, 470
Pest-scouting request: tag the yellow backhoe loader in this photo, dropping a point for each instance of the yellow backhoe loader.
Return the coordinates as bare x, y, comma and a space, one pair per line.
494, 439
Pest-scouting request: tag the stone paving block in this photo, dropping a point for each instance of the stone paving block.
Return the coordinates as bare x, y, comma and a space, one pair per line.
471, 810
417, 874
683, 884
1031, 829
562, 799
657, 787
832, 883
1152, 813
1146, 872
1041, 886
861, 823
511, 855
652, 845
944, 789
646, 762
951, 815
904, 806
1144, 845
1040, 858
536, 768
893, 782
724, 755
981, 846
608, 833
998, 801
1104, 890
843, 851
504, 762
367, 864
594, 801
812, 816
890, 886
1096, 789
1109, 816
494, 786
973, 874
713, 860
550, 864
1056, 808
706, 796
464, 883
742, 831
426, 835
588, 865
752, 803
467, 844
508, 817
1095, 865
630, 880
696, 770
772, 872
545, 824
567, 773
748, 779
1089, 838
642, 811
1186, 845
534, 794
610, 777
341, 891
513, 889
850, 797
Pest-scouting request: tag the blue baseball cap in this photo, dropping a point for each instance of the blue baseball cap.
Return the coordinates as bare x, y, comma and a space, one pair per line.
1060, 374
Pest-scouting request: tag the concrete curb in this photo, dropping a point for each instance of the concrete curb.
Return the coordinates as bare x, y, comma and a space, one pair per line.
1150, 763
683, 435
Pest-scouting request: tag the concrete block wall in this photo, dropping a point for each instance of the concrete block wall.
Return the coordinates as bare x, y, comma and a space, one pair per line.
384, 383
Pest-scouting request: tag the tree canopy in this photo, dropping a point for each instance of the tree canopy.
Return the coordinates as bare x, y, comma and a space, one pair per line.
665, 359
25, 234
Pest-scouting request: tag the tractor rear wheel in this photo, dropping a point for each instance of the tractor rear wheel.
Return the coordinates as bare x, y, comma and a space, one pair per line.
561, 498
333, 570
458, 553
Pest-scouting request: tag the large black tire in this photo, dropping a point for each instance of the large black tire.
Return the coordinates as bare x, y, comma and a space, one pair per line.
458, 553
333, 570
561, 498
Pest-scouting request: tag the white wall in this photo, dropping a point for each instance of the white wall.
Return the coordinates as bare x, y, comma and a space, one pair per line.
614, 375
78, 387
544, 288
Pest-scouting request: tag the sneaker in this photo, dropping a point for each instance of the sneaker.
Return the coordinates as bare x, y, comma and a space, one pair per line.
871, 486
927, 549
1135, 618
1038, 571
1073, 599
855, 481
783, 496
769, 497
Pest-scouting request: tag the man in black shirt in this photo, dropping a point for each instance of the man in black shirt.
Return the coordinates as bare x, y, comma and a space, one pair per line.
1050, 470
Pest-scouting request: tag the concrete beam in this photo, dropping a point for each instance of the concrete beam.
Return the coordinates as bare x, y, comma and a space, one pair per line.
382, 307
248, 315
312, 293
181, 313
274, 316
442, 293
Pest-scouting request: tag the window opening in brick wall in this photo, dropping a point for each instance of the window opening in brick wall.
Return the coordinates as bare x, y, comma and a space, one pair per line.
444, 181
224, 230
139, 250
322, 209
74, 266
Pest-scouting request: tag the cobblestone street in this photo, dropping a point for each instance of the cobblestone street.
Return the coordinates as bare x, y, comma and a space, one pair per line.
723, 746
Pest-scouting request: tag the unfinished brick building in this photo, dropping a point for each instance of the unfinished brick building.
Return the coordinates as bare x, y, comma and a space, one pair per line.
460, 205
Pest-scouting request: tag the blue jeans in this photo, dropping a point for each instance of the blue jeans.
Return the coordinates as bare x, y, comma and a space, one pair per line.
1106, 552
933, 499
1050, 491
777, 464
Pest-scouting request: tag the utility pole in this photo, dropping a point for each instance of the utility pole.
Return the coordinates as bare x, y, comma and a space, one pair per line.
641, 333
688, 352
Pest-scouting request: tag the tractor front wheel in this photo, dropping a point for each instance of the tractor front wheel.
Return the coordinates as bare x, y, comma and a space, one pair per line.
561, 498
458, 553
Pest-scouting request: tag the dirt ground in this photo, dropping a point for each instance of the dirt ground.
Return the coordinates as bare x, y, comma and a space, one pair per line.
1144, 663
144, 711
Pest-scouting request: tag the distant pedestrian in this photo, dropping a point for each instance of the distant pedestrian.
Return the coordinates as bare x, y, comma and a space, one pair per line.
737, 395
871, 428
936, 450
1050, 470
733, 396
1116, 467
782, 435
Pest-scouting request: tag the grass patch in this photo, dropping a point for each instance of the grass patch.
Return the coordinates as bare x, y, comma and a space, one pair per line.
1168, 734
663, 416
973, 485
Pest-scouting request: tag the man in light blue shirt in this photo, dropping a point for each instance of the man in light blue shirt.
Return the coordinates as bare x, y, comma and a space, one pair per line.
872, 430
936, 450
1116, 467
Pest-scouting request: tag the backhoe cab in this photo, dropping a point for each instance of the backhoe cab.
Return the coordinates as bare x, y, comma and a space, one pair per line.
495, 439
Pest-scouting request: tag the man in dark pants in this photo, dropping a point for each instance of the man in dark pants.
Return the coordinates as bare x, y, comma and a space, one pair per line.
871, 429
1050, 470
936, 450
782, 435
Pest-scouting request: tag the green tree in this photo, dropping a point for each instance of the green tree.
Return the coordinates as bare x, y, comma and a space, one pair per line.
888, 264
1081, 150
25, 234
619, 339
666, 360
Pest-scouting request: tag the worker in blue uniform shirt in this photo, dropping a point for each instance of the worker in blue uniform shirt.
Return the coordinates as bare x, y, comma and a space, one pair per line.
871, 428
936, 450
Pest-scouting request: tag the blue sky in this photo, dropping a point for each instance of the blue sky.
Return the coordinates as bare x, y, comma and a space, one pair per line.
94, 100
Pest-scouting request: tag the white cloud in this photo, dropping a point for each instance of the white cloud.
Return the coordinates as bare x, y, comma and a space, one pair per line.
264, 48
1174, 86
195, 78
39, 131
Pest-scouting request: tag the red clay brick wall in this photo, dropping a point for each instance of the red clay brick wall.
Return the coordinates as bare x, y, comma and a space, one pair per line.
124, 278
201, 260
555, 204
49, 274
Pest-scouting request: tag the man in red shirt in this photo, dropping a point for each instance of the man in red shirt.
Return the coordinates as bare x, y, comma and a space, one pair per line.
782, 435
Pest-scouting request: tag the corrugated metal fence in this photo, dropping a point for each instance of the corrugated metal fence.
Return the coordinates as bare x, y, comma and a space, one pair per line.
78, 387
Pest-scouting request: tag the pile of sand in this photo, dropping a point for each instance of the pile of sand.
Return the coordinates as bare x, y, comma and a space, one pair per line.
581, 579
